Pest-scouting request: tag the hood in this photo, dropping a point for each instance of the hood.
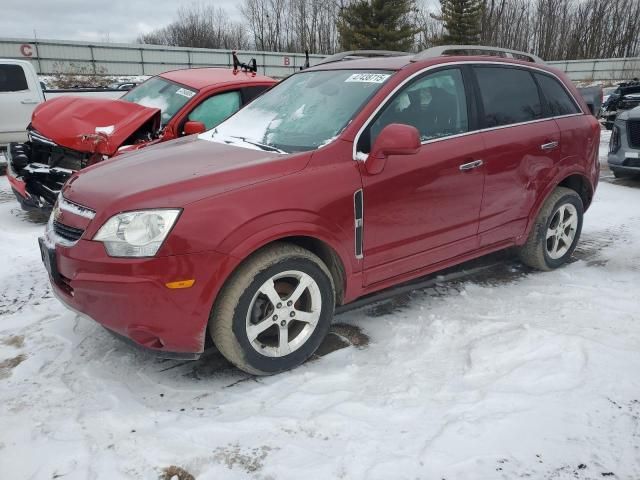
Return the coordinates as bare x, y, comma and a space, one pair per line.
92, 125
634, 114
174, 174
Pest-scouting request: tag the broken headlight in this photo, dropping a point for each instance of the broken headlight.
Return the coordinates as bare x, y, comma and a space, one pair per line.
136, 234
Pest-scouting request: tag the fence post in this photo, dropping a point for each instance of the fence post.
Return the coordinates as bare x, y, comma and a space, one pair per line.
93, 59
142, 60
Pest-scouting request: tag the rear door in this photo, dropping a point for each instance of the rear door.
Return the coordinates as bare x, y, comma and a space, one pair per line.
579, 133
18, 97
522, 146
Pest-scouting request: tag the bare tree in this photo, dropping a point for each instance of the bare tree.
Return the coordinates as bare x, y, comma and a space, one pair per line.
553, 29
200, 26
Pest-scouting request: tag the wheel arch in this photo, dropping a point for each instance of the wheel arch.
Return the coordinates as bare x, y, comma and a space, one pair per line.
575, 181
315, 240
581, 185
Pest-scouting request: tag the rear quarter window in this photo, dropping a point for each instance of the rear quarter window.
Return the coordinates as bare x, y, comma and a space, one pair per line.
509, 95
558, 100
12, 79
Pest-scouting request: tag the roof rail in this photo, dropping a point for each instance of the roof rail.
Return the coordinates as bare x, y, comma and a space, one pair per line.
478, 49
355, 54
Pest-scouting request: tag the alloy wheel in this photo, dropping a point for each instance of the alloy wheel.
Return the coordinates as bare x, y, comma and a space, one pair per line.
561, 231
283, 313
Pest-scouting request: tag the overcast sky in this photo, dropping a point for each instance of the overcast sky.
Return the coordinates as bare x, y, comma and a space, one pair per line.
92, 20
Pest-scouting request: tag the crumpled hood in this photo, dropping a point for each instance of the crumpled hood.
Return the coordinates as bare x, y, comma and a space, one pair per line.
92, 125
174, 174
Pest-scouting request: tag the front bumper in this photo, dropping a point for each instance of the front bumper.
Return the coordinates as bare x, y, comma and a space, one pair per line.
130, 299
625, 158
35, 185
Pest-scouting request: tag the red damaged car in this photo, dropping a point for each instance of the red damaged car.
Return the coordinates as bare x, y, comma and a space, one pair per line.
69, 133
344, 179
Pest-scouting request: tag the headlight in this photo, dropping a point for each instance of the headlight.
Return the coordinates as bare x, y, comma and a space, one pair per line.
136, 234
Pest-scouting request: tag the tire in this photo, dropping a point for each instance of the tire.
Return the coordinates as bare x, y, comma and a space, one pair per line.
248, 321
546, 251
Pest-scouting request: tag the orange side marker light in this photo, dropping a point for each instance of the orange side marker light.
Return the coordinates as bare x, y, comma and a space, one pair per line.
180, 284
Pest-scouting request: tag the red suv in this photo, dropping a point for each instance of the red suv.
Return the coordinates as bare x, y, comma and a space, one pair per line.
344, 179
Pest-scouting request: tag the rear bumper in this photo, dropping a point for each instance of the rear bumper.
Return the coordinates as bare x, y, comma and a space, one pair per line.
129, 297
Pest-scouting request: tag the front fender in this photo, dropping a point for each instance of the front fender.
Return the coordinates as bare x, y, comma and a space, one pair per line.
261, 231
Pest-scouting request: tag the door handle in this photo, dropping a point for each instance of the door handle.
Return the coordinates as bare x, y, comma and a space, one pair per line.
28, 102
471, 165
549, 145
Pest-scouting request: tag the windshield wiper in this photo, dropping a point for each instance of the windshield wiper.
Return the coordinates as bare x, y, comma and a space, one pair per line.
266, 148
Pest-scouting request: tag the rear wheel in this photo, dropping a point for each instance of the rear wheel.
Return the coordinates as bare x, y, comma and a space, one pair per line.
274, 311
555, 234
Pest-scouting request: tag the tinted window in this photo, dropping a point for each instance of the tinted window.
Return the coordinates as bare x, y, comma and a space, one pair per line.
435, 104
215, 109
249, 93
12, 78
509, 95
558, 100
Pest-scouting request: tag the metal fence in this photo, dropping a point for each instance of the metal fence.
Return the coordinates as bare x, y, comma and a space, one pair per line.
605, 69
121, 59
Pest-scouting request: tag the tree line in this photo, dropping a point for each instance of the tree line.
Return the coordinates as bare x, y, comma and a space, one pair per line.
552, 29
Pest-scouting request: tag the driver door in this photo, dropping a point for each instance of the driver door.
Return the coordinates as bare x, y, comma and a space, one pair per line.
424, 208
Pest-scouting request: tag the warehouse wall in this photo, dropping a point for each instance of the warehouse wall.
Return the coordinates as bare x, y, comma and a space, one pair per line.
122, 59
47, 56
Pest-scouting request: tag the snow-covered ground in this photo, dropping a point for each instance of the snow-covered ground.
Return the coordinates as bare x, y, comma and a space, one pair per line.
506, 374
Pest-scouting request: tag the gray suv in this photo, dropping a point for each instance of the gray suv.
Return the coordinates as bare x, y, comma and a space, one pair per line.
624, 146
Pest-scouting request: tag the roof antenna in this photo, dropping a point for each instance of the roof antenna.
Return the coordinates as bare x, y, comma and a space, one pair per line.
252, 66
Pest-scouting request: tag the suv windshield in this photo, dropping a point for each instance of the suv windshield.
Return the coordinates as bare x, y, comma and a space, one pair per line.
304, 112
159, 93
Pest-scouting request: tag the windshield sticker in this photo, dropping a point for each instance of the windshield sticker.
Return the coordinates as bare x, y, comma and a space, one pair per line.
185, 93
368, 77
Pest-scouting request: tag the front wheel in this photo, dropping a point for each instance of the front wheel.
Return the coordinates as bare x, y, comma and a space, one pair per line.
274, 311
556, 231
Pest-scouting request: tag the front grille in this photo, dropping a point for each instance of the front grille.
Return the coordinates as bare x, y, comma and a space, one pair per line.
633, 132
71, 234
46, 151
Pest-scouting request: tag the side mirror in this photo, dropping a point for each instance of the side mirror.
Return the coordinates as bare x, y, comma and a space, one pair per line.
394, 139
194, 127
